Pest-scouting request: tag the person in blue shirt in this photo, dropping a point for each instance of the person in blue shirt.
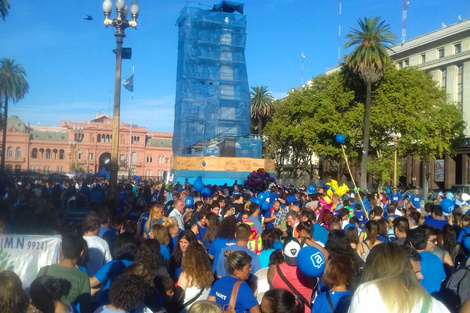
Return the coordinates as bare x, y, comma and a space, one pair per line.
225, 237
415, 200
238, 268
394, 196
243, 235
338, 277
436, 220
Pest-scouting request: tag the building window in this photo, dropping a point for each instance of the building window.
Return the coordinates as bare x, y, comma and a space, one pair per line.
61, 154
423, 58
79, 154
457, 48
400, 64
440, 53
460, 86
443, 78
160, 174
134, 157
90, 156
18, 153
17, 167
34, 153
148, 173
48, 153
98, 138
149, 159
406, 63
122, 160
47, 169
60, 169
9, 152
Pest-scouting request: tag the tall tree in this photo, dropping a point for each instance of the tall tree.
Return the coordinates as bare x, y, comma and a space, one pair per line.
261, 106
13, 87
370, 59
4, 7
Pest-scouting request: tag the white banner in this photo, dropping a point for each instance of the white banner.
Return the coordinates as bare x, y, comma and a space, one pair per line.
26, 254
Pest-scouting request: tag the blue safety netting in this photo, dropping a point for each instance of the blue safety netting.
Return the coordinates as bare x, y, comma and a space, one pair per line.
212, 107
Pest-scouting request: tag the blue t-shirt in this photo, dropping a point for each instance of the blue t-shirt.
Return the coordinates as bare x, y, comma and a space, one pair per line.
220, 268
415, 200
217, 245
108, 272
462, 233
320, 305
264, 257
222, 290
433, 272
394, 197
439, 224
164, 252
361, 216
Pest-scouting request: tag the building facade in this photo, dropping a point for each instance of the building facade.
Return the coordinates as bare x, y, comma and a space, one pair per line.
86, 147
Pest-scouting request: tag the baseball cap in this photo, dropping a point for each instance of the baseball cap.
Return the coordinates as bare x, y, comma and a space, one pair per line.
291, 250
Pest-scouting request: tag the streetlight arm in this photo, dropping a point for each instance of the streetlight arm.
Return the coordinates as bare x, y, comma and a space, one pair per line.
108, 22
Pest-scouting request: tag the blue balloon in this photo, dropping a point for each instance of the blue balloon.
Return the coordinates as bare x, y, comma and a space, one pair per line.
267, 193
198, 185
258, 201
311, 261
189, 201
447, 205
450, 196
252, 199
206, 192
311, 189
466, 243
265, 206
261, 196
340, 138
203, 163
387, 190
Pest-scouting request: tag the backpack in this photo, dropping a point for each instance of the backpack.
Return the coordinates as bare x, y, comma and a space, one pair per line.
459, 284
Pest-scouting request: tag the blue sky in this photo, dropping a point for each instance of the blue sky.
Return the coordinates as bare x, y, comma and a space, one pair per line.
70, 63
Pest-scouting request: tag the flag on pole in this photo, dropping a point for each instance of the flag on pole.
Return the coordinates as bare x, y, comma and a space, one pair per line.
129, 83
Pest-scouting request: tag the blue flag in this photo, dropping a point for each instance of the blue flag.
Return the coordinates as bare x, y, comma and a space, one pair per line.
129, 83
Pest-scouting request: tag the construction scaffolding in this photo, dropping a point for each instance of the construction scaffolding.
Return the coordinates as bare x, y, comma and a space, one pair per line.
212, 107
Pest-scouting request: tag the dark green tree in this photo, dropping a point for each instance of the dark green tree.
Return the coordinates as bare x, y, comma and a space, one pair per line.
370, 59
261, 107
13, 87
4, 7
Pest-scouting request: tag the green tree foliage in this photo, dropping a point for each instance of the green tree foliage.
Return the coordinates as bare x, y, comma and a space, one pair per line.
406, 102
4, 7
13, 87
307, 121
261, 107
370, 59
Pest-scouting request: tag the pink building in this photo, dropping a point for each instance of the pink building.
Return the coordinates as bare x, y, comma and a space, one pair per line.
85, 147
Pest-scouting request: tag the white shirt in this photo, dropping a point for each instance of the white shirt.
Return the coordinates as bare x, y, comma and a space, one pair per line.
179, 218
367, 299
99, 253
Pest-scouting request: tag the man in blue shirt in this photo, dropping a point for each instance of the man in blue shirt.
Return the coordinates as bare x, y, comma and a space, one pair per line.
436, 220
415, 200
243, 235
394, 196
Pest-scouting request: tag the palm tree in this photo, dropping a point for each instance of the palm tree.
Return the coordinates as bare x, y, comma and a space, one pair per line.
4, 6
370, 59
13, 86
261, 106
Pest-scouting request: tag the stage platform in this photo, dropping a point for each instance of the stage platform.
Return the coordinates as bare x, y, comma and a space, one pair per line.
217, 170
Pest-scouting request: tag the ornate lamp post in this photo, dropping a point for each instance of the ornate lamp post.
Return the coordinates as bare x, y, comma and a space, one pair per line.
120, 23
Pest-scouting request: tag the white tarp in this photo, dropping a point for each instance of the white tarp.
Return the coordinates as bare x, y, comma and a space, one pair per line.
26, 254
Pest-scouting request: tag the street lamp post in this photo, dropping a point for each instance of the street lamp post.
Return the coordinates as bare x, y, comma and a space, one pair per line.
120, 23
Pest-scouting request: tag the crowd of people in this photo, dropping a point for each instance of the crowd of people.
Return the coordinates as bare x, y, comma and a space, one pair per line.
170, 248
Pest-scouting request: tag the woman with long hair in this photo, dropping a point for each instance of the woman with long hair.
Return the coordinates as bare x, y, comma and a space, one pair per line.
13, 299
224, 237
212, 228
149, 256
172, 227
148, 219
184, 239
390, 285
364, 246
238, 267
195, 280
160, 233
200, 227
